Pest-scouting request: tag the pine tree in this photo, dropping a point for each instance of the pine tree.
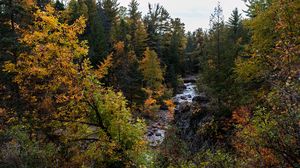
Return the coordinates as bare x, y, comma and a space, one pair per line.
76, 8
157, 23
95, 33
59, 6
137, 32
174, 53
255, 7
217, 27
15, 17
235, 24
110, 11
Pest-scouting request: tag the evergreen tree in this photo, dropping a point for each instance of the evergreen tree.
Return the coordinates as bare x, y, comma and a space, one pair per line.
110, 11
95, 33
214, 74
137, 32
173, 56
256, 6
15, 17
125, 75
235, 24
76, 8
59, 6
194, 51
157, 23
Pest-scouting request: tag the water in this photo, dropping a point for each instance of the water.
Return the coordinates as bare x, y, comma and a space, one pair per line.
188, 94
156, 131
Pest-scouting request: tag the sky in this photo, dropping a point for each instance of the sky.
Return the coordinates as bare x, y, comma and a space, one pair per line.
193, 13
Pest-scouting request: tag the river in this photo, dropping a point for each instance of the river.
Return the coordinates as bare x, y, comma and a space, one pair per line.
157, 130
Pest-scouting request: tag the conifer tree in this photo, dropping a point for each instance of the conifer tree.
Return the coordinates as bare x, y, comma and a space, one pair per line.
137, 32
95, 33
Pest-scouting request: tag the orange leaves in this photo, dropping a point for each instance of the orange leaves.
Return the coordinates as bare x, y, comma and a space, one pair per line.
151, 107
119, 47
171, 106
241, 115
150, 101
268, 156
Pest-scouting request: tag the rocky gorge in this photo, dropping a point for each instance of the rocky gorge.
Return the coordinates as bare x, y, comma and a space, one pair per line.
192, 116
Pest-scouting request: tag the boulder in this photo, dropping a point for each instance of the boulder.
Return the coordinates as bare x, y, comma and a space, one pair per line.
183, 97
150, 134
201, 99
184, 107
163, 107
176, 102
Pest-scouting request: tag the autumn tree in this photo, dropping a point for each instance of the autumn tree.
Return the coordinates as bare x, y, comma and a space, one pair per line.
152, 72
125, 74
273, 68
66, 103
153, 78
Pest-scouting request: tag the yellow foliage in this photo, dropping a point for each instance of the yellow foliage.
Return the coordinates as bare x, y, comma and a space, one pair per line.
48, 75
103, 68
151, 69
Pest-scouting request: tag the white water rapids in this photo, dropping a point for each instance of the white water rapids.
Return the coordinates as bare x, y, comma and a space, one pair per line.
157, 130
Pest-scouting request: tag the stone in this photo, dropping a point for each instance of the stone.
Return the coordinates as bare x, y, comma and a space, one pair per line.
183, 97
163, 107
176, 102
201, 99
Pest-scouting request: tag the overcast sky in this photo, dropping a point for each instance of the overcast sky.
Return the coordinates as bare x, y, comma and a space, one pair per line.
194, 13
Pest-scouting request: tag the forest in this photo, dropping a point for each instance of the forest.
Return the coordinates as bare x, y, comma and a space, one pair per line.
93, 84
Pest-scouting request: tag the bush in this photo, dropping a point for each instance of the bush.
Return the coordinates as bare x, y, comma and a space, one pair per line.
18, 150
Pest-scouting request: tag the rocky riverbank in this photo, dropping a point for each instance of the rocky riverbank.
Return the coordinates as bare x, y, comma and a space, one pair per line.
185, 106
